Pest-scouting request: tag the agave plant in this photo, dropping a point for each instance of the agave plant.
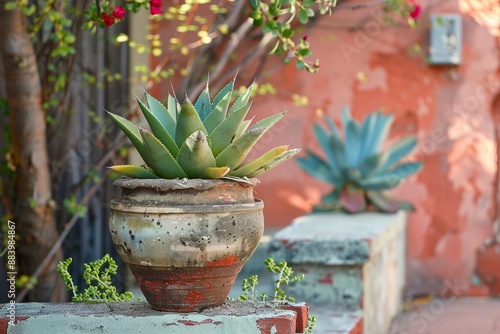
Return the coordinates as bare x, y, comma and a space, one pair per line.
207, 139
356, 166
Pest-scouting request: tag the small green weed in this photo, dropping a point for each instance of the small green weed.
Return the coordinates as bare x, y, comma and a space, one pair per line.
100, 288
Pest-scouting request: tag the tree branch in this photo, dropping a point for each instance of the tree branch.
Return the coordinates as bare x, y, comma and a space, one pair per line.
71, 223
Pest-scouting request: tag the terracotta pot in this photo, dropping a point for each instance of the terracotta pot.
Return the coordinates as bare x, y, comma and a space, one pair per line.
186, 240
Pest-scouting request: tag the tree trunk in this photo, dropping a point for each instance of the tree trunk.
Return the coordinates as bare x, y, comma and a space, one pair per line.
35, 224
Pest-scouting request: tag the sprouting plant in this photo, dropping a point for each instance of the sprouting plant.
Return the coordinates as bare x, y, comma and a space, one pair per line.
100, 288
285, 276
248, 287
311, 324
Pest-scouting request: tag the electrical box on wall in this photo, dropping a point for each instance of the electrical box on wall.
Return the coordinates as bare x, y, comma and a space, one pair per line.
446, 39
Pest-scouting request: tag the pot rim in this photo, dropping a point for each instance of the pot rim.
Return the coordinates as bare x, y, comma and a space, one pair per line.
258, 205
180, 184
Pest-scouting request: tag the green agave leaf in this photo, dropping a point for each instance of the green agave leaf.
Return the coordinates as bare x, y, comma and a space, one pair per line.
352, 143
275, 162
398, 151
329, 202
188, 122
131, 130
269, 121
346, 116
367, 133
137, 172
380, 132
373, 163
219, 112
332, 127
351, 174
159, 110
387, 204
243, 127
338, 150
331, 198
202, 104
390, 179
319, 169
323, 139
159, 159
227, 89
242, 100
255, 164
236, 152
379, 182
352, 200
215, 172
226, 131
195, 155
173, 108
158, 129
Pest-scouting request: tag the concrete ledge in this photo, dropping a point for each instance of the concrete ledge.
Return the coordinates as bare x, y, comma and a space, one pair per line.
331, 320
121, 318
334, 238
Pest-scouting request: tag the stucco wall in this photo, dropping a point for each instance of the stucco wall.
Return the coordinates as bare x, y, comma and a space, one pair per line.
449, 108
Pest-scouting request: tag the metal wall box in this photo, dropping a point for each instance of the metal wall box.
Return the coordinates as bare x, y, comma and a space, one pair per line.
445, 39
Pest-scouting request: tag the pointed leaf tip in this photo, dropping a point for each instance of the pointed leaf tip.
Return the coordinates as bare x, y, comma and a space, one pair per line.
195, 155
133, 171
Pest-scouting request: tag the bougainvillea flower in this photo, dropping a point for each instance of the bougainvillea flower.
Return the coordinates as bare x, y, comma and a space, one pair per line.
107, 19
155, 7
417, 9
118, 13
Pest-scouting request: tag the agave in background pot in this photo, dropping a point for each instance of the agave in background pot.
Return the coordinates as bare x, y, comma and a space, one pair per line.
187, 221
357, 167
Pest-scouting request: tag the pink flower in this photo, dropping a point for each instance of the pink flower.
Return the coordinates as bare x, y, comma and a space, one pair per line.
417, 9
107, 19
118, 13
155, 7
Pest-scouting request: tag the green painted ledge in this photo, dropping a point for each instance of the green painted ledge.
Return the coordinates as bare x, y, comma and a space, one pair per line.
122, 318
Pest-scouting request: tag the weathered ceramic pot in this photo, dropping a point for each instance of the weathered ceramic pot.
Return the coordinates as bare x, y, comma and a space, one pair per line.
186, 240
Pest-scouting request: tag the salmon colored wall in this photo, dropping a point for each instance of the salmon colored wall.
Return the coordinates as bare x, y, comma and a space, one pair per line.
449, 108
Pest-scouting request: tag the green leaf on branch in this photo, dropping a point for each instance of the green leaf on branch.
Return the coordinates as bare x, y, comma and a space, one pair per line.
10, 5
303, 16
254, 4
73, 207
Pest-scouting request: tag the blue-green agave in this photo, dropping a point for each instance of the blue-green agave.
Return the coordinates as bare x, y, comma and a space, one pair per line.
207, 139
357, 167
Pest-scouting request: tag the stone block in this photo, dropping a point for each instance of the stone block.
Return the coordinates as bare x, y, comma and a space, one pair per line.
336, 286
350, 262
336, 321
335, 238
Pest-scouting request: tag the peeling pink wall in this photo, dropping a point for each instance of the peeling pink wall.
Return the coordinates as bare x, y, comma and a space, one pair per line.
448, 108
